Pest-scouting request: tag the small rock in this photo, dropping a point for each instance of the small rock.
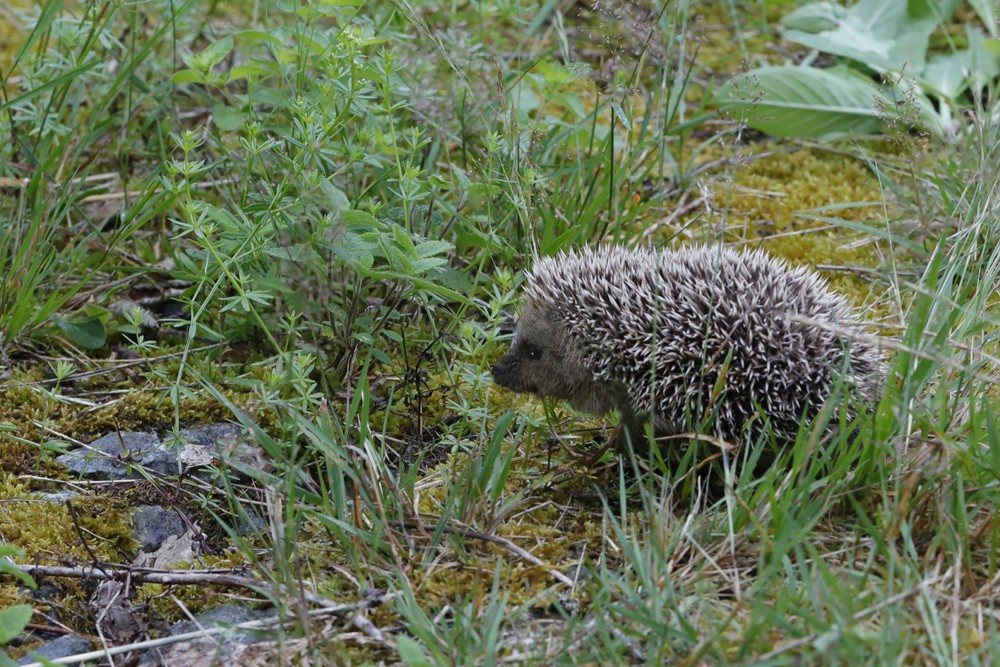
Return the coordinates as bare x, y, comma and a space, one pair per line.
208, 443
57, 648
153, 524
115, 456
173, 551
222, 650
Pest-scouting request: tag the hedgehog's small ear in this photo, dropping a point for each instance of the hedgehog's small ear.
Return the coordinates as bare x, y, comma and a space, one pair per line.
533, 311
551, 314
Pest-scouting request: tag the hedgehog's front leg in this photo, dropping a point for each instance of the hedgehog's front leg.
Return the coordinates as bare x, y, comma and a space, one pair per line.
631, 434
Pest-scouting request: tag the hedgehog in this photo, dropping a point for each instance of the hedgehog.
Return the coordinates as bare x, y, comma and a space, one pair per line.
700, 338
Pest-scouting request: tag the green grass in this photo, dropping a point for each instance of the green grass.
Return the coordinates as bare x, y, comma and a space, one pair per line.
351, 193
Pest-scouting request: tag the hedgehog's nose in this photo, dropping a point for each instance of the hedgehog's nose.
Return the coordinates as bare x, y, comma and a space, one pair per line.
501, 373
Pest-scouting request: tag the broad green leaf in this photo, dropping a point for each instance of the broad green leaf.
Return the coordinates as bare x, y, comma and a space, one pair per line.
269, 96
987, 10
802, 102
951, 74
188, 76
87, 333
227, 118
258, 36
12, 621
984, 58
814, 18
945, 74
354, 250
524, 99
239, 72
411, 653
403, 240
8, 567
214, 53
883, 34
341, 3
929, 14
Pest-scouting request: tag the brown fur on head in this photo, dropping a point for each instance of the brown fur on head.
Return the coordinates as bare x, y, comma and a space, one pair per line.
545, 361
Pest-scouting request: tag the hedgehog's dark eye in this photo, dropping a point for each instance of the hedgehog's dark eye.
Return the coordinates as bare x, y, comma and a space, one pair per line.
532, 352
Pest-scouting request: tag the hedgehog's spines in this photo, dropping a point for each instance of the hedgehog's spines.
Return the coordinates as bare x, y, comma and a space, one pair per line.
649, 331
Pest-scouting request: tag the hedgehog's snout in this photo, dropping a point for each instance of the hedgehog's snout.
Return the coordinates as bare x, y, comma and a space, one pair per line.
503, 372
509, 373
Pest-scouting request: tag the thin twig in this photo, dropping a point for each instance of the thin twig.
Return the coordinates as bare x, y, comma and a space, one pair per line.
264, 624
522, 553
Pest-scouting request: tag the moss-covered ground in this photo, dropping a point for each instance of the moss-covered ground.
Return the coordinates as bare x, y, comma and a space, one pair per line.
312, 219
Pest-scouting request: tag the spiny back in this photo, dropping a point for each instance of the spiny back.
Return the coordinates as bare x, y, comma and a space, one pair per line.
665, 324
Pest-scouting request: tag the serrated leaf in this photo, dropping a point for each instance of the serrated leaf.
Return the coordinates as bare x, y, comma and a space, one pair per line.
360, 219
455, 280
399, 260
422, 266
355, 251
802, 102
88, 333
402, 240
334, 197
429, 248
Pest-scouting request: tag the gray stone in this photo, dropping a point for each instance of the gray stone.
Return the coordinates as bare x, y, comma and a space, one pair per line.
228, 648
57, 648
115, 456
209, 443
153, 524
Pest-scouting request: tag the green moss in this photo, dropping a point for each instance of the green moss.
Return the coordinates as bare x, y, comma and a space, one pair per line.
48, 531
44, 528
784, 202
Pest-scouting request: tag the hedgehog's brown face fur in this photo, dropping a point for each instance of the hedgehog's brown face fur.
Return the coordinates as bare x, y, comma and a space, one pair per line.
545, 361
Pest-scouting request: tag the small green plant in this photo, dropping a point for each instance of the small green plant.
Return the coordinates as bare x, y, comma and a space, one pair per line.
14, 618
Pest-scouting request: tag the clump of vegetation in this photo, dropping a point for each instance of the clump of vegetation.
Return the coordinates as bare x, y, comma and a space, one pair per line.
313, 219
